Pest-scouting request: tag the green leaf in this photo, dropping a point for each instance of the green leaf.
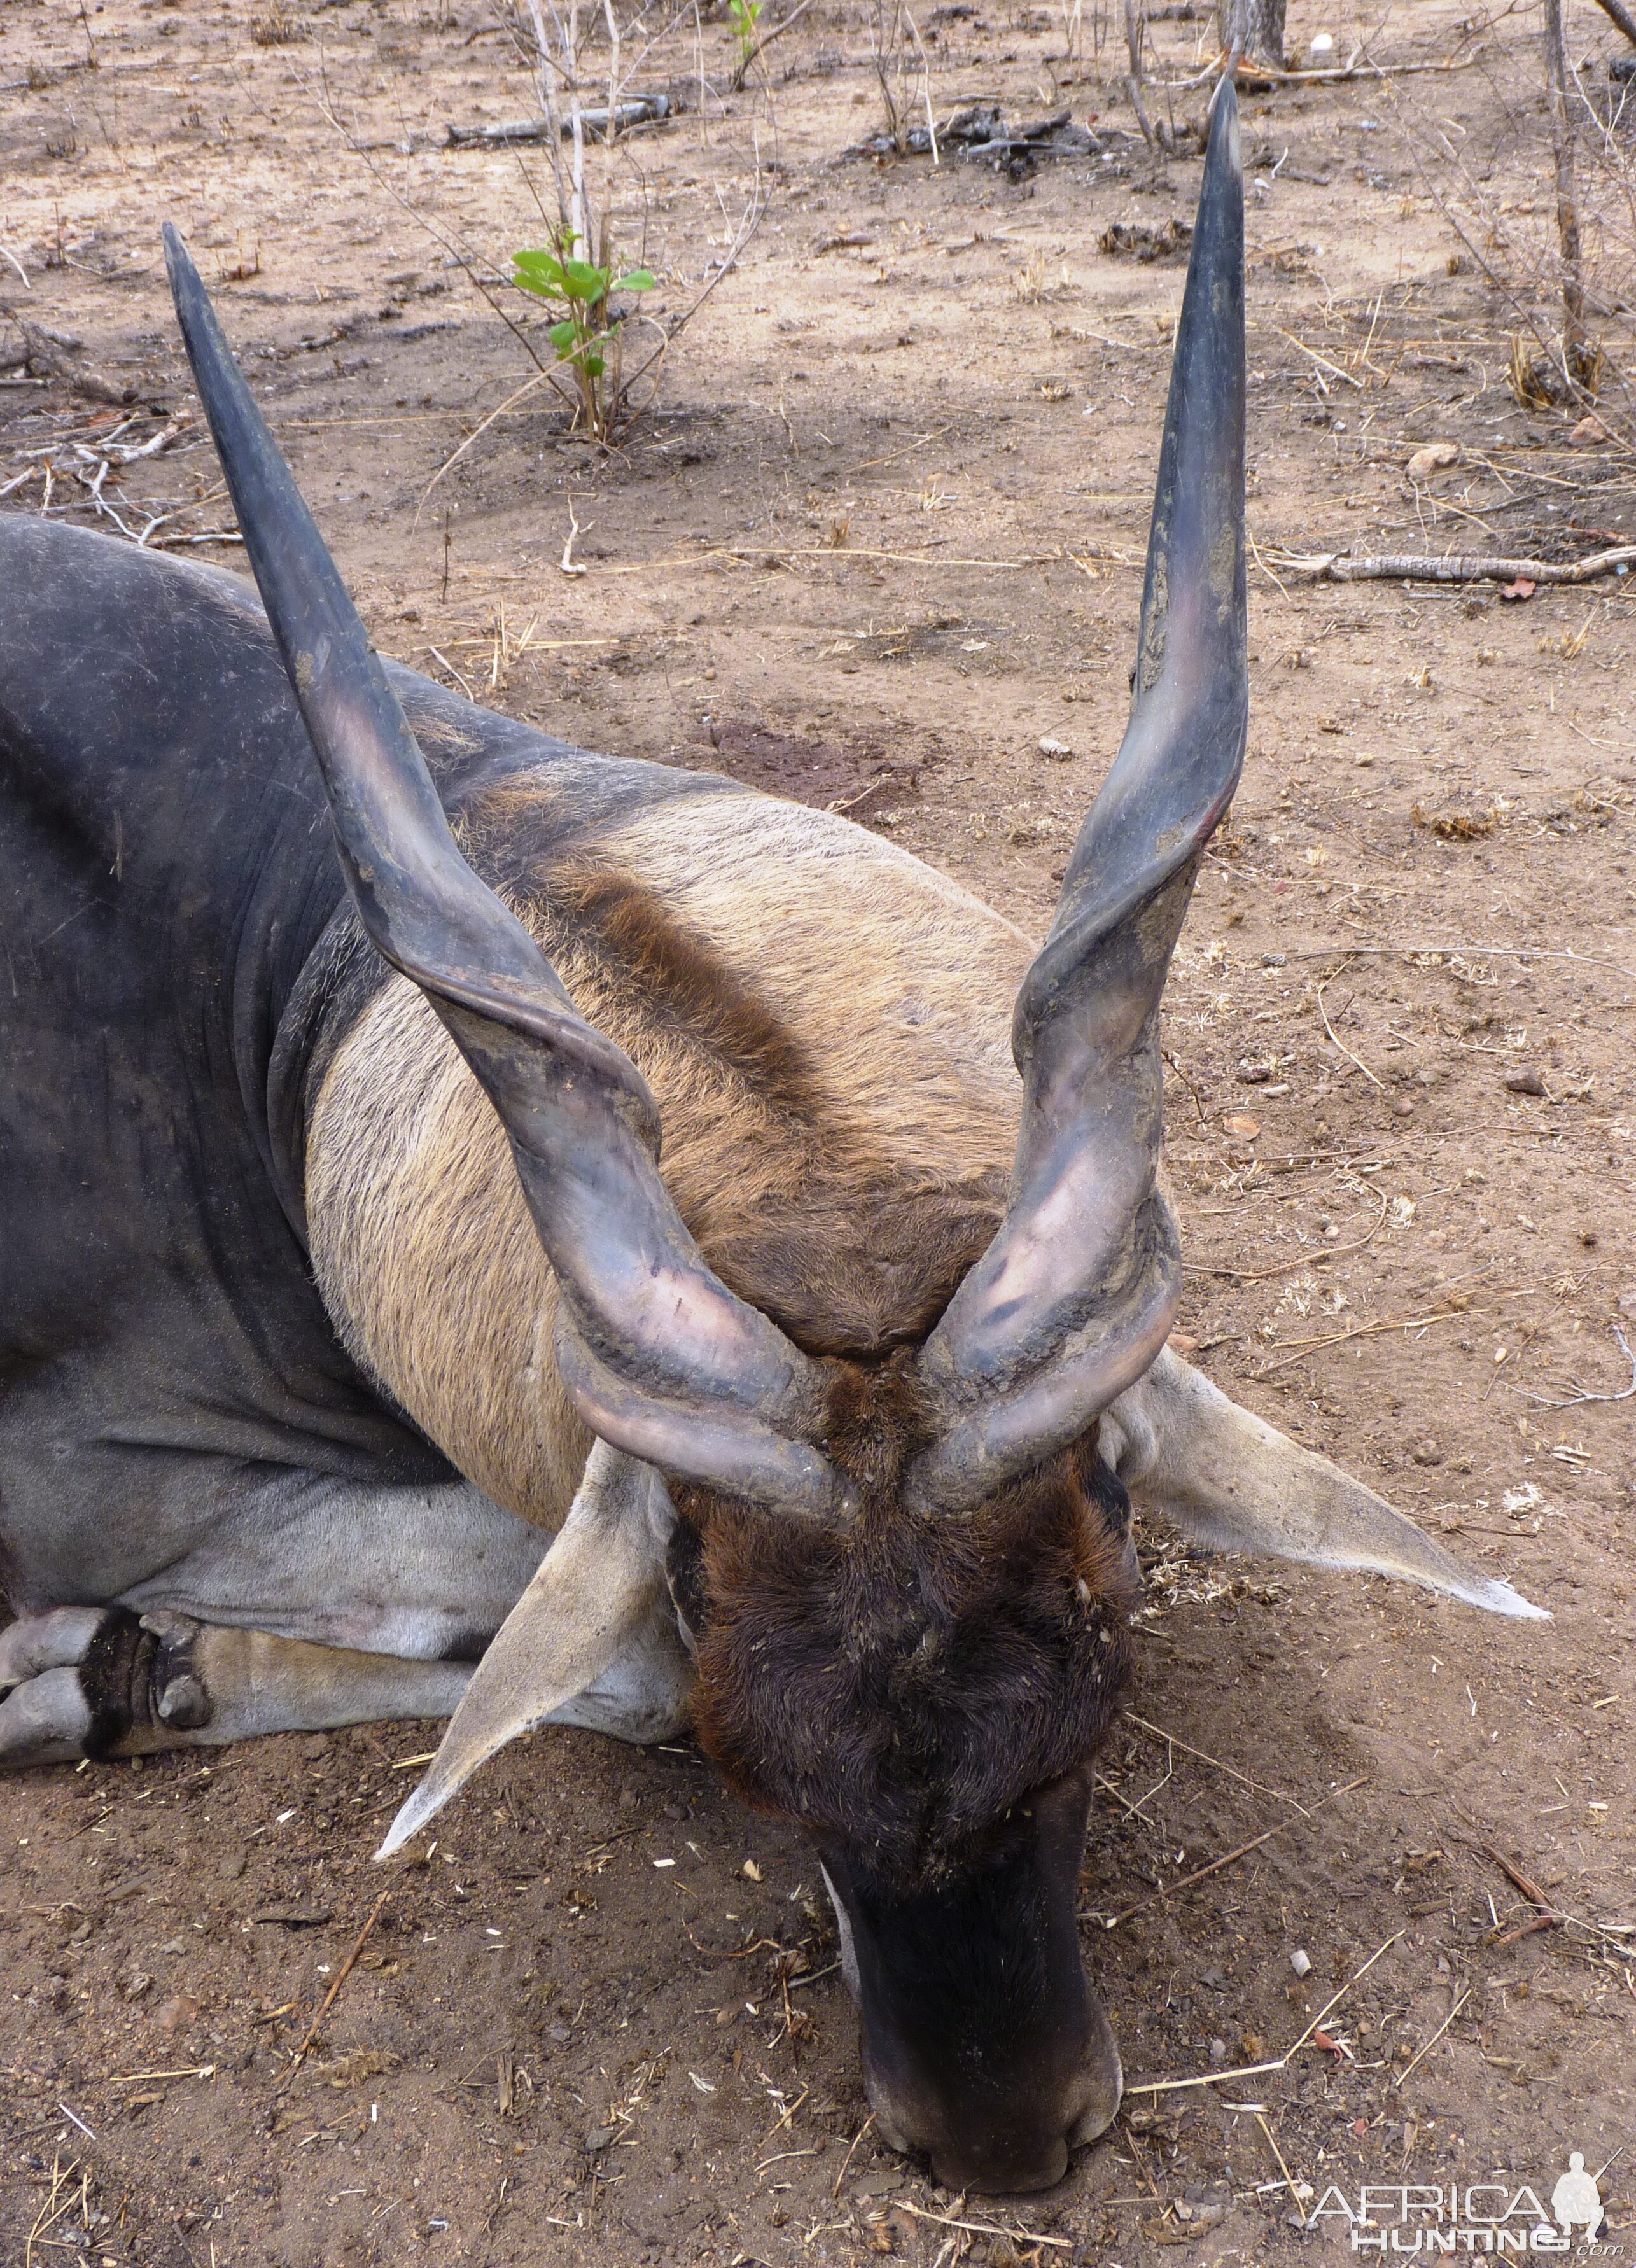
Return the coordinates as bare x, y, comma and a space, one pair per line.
539, 272
581, 281
639, 279
592, 363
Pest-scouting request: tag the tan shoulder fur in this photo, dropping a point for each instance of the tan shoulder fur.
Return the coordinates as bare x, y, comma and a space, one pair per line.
825, 1024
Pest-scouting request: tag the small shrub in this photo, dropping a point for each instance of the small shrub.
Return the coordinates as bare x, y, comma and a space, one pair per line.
586, 337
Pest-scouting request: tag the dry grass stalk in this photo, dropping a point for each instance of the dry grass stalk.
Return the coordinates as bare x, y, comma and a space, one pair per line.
1260, 2070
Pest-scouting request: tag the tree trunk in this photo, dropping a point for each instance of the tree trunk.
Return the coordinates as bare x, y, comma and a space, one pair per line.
1254, 27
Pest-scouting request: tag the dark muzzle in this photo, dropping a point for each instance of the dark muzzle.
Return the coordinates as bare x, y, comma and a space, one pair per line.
983, 2042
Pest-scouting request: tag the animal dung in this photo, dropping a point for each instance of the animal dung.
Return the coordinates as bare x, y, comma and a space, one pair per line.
1139, 240
1464, 818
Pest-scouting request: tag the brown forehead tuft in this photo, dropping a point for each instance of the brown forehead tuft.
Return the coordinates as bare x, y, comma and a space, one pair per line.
898, 1682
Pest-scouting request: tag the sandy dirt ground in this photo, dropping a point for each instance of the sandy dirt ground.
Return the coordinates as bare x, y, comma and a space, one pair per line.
878, 546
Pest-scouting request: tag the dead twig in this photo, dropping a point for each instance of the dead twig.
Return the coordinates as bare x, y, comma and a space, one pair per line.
1617, 12
1289, 2180
736, 85
1530, 1888
1227, 1859
1361, 1332
1342, 1045
546, 377
1581, 1393
1305, 1260
341, 1975
1172, 1740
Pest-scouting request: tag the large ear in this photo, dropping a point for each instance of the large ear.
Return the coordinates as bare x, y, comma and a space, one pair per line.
590, 1597
655, 1353
1227, 1479
1072, 1300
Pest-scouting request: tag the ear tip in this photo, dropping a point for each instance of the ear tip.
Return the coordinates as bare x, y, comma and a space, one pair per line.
1499, 1598
427, 1799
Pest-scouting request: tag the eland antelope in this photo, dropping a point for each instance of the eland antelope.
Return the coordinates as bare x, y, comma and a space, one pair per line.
359, 1357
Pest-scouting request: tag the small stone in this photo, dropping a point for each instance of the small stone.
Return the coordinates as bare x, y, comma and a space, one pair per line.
1300, 1962
1275, 960
177, 2013
598, 2138
1524, 1082
1435, 457
1403, 1107
1058, 751
1218, 2054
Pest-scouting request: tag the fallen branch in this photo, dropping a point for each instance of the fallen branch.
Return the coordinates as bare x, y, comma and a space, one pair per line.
48, 360
1338, 567
1252, 76
640, 110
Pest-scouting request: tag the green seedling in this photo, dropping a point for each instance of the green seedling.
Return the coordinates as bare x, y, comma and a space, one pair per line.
745, 17
585, 336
